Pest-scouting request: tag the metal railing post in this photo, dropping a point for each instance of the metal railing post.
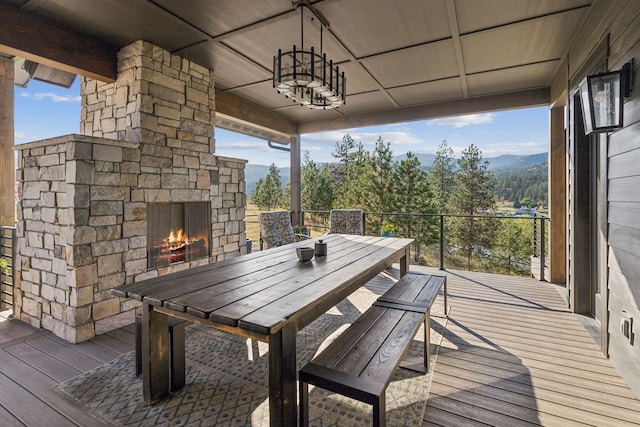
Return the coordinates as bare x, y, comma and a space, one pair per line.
542, 249
441, 242
8, 281
364, 223
535, 237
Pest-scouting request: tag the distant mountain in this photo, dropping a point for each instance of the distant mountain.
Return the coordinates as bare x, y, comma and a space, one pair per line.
506, 161
513, 161
426, 160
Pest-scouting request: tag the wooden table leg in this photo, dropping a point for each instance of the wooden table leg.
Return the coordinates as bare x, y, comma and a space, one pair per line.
404, 262
283, 377
155, 355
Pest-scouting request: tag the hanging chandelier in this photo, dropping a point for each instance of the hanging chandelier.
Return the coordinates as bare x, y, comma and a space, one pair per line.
306, 76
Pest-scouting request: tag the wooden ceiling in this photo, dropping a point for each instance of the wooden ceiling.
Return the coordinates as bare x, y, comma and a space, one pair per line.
404, 60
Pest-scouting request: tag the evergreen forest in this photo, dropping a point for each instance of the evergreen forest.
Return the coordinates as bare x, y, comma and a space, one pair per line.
409, 198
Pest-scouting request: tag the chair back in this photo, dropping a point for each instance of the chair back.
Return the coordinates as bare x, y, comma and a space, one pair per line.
275, 228
346, 221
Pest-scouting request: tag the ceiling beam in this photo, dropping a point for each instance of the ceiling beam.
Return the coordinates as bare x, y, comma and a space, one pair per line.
505, 101
457, 46
32, 38
233, 106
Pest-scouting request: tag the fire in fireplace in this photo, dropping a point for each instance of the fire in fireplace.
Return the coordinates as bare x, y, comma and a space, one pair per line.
177, 232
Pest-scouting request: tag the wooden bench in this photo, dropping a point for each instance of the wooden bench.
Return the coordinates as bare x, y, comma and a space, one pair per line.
360, 363
176, 351
416, 290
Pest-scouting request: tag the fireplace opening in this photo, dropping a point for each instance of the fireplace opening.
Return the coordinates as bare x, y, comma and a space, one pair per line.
177, 232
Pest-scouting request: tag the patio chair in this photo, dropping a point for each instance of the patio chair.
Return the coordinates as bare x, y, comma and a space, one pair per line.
346, 221
276, 229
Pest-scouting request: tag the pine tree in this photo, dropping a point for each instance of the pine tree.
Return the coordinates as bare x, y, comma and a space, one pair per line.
378, 188
343, 153
347, 174
317, 189
274, 172
412, 195
512, 246
268, 193
473, 197
441, 177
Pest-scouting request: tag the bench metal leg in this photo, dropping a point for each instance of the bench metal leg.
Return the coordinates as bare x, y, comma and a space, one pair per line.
380, 411
421, 364
427, 340
446, 307
304, 403
138, 345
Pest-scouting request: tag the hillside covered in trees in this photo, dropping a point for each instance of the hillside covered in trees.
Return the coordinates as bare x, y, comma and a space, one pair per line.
527, 186
409, 198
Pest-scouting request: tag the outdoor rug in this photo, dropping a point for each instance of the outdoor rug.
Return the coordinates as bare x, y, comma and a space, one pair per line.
227, 380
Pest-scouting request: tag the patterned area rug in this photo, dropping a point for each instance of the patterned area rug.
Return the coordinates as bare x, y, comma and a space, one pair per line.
227, 381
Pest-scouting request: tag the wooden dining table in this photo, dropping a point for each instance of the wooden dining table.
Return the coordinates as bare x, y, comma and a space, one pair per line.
268, 296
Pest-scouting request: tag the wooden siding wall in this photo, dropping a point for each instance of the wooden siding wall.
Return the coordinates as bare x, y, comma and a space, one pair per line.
621, 21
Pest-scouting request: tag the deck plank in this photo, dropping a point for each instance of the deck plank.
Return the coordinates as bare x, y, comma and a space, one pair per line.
500, 369
8, 419
40, 385
560, 401
12, 330
65, 354
43, 362
93, 348
26, 407
512, 354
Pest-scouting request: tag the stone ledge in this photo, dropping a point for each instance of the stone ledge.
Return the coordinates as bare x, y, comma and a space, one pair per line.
73, 138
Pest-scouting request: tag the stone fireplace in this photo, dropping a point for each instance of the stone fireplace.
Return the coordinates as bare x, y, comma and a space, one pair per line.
96, 209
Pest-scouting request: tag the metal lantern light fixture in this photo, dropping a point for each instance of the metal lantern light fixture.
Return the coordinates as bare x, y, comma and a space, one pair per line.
602, 97
306, 76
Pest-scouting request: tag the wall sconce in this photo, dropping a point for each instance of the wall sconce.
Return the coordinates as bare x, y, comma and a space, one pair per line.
602, 97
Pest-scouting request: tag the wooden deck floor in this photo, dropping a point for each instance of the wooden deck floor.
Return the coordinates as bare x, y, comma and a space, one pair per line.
512, 355
32, 361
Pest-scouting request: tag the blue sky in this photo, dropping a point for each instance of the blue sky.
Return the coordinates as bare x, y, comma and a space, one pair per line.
45, 111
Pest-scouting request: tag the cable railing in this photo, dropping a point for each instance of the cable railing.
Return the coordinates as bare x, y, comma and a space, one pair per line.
7, 278
492, 243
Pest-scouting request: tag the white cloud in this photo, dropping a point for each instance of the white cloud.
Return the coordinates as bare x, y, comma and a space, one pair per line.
325, 137
462, 121
22, 137
312, 148
393, 137
39, 96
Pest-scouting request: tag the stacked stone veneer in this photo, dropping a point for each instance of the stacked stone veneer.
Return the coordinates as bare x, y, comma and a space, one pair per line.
148, 138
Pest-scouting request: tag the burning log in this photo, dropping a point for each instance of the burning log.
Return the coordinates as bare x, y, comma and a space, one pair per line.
178, 247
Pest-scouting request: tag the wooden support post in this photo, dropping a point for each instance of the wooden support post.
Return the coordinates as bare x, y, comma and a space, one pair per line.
7, 168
